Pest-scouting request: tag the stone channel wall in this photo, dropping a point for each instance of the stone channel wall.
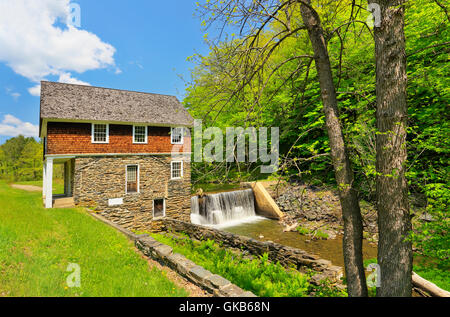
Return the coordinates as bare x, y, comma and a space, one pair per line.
213, 283
99, 179
287, 256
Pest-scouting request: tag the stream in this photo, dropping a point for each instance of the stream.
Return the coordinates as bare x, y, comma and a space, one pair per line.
270, 230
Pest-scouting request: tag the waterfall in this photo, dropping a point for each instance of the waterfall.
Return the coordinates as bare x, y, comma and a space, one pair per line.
222, 209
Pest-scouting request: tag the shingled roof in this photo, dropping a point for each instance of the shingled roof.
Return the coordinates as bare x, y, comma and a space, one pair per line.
88, 103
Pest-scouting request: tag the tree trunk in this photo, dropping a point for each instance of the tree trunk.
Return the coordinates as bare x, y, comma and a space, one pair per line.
394, 223
353, 229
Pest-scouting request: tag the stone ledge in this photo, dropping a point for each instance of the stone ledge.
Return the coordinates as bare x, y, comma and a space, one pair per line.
162, 253
213, 283
287, 256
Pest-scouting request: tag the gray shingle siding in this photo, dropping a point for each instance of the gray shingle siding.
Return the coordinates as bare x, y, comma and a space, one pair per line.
77, 102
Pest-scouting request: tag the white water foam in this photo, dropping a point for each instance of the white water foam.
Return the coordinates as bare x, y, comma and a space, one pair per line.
224, 209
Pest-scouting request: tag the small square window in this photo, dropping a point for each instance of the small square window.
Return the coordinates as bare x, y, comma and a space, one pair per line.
132, 179
177, 135
100, 133
159, 208
139, 134
176, 170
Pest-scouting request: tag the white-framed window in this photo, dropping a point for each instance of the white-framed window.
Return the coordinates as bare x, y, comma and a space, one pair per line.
176, 169
132, 179
140, 134
159, 208
176, 135
100, 133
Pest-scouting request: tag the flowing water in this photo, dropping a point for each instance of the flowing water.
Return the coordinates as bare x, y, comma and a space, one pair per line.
271, 230
221, 210
234, 211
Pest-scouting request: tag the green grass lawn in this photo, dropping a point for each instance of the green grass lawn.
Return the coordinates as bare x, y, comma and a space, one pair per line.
37, 245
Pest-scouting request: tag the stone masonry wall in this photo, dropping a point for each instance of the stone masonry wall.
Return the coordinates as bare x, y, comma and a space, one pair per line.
98, 179
287, 256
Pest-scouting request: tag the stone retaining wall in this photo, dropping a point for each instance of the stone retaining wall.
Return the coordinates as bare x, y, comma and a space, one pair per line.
287, 256
213, 283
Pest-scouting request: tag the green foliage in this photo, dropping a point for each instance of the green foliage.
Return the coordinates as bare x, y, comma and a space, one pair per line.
432, 273
258, 275
303, 230
432, 238
291, 100
327, 289
295, 105
317, 234
429, 145
21, 159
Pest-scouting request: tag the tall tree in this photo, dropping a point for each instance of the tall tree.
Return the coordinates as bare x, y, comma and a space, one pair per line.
353, 229
394, 220
252, 53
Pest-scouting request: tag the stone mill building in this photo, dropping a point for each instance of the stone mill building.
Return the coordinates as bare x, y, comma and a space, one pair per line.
125, 153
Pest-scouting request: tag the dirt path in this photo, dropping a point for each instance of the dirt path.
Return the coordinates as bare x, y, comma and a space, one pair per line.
29, 188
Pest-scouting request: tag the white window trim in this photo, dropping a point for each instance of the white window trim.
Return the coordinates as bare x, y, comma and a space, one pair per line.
164, 208
137, 179
146, 134
182, 135
171, 170
107, 133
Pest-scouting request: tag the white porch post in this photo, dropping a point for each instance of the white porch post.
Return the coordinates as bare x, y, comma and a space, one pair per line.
69, 178
49, 183
44, 177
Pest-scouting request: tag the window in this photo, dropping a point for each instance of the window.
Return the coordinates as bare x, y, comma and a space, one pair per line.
159, 208
139, 134
177, 135
132, 177
100, 133
176, 170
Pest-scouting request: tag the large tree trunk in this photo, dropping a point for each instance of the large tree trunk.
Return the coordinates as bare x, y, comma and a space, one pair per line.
353, 229
394, 223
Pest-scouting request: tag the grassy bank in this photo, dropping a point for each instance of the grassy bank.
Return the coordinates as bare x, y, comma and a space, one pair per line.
257, 275
37, 245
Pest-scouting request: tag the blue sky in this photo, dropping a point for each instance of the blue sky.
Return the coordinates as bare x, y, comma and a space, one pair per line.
135, 45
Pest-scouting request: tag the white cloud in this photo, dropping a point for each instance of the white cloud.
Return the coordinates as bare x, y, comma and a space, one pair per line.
68, 79
35, 91
34, 46
12, 93
12, 126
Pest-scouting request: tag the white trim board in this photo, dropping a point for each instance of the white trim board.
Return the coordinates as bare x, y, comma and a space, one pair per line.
178, 154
